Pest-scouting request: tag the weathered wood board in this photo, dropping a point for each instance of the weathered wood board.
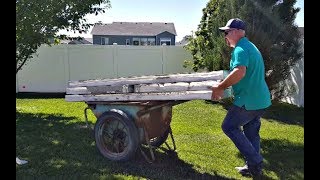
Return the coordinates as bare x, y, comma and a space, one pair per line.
193, 77
175, 87
166, 87
100, 89
146, 88
187, 95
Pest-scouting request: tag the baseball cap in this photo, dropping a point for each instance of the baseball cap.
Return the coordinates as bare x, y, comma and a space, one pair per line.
235, 23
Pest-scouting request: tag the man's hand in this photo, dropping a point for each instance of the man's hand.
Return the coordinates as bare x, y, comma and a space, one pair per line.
217, 93
234, 77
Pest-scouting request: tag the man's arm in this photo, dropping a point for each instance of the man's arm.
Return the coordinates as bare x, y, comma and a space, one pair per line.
234, 77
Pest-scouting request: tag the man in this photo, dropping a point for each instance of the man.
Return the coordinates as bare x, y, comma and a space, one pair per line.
251, 96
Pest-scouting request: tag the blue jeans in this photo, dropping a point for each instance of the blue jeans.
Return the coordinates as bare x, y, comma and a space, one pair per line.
247, 140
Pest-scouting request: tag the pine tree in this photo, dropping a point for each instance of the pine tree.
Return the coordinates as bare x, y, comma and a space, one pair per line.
270, 26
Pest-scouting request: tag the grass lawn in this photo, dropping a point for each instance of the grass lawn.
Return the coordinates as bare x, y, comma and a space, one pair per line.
50, 134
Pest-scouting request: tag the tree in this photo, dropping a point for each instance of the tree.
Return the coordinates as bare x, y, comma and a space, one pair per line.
39, 21
270, 25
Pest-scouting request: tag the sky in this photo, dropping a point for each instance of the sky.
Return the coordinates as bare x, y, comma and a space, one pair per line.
185, 15
300, 15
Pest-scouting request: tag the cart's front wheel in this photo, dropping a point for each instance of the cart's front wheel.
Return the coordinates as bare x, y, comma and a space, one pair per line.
116, 135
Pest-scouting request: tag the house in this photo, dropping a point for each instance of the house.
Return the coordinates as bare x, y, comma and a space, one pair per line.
81, 41
134, 33
184, 41
76, 41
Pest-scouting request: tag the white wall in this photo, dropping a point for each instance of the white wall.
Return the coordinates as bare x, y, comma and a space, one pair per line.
90, 62
54, 66
137, 60
297, 79
46, 72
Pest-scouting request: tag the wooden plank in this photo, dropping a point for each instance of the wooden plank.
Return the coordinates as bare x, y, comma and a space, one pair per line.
110, 89
77, 90
100, 89
174, 87
186, 95
193, 77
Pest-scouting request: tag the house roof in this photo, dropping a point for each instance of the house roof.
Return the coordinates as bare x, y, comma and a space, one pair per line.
133, 28
82, 41
77, 41
182, 42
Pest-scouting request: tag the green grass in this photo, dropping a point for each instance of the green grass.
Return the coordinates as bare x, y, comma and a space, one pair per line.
50, 134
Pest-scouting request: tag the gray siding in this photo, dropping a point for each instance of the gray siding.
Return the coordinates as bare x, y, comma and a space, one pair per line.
96, 39
121, 40
166, 35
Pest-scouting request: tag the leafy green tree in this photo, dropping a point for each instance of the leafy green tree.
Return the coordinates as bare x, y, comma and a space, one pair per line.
270, 25
39, 21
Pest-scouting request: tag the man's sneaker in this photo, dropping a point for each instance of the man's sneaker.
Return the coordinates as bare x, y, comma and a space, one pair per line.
245, 167
254, 171
244, 171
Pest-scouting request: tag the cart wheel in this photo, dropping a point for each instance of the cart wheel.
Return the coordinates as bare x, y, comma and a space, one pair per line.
158, 141
116, 135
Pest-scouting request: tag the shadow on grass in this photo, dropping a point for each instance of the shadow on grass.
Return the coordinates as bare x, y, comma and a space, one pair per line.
30, 95
278, 111
283, 158
167, 165
285, 113
56, 147
31, 117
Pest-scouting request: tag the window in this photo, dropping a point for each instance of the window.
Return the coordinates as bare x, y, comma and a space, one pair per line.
144, 41
136, 41
151, 41
104, 41
127, 41
165, 41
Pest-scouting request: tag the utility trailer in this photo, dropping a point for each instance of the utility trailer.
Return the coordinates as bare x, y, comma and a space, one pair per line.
135, 111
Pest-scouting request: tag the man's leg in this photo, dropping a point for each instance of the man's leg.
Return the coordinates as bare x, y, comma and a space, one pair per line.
235, 118
251, 130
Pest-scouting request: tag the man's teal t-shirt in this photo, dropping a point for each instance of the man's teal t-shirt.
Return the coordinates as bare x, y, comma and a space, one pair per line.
252, 90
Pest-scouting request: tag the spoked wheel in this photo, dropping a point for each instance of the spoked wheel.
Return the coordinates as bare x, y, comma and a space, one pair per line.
116, 135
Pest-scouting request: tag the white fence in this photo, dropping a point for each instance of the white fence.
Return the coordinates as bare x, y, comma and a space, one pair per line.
54, 66
50, 71
297, 78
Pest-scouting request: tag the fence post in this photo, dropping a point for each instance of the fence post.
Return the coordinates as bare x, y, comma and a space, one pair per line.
115, 59
163, 59
66, 64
